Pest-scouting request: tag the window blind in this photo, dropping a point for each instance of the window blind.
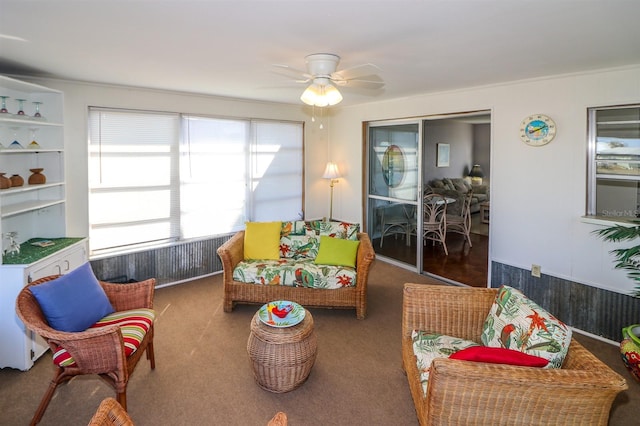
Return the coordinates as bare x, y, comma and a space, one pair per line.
133, 178
160, 177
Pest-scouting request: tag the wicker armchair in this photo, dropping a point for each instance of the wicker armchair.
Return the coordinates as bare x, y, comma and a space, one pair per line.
110, 413
95, 351
471, 393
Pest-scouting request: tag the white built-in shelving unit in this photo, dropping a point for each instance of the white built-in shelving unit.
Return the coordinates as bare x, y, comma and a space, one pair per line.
31, 211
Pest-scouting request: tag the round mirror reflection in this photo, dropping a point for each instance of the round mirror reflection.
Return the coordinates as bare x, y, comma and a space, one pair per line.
393, 165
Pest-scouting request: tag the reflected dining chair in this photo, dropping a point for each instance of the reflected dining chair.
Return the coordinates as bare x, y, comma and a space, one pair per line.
394, 220
434, 226
460, 220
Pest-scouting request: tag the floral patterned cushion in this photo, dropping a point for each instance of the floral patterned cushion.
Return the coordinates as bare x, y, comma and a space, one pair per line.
429, 346
301, 239
517, 322
298, 227
344, 230
294, 273
297, 241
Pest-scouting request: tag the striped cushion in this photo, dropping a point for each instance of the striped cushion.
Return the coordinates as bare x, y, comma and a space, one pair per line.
134, 325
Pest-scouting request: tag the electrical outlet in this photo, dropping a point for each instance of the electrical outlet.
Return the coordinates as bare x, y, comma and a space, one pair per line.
535, 270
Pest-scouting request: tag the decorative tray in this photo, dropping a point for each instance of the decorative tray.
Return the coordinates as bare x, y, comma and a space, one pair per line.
281, 313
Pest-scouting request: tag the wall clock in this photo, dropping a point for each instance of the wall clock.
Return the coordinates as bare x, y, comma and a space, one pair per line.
537, 130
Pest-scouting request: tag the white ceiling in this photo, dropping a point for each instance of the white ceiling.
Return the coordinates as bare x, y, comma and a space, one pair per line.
227, 48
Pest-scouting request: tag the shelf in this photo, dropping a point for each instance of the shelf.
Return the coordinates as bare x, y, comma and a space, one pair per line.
28, 151
28, 206
27, 122
27, 188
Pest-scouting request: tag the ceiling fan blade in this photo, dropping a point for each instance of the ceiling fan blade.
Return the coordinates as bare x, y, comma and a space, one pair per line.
356, 72
292, 72
366, 82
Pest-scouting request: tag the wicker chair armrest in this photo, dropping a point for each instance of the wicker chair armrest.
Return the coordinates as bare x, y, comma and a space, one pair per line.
131, 295
518, 376
449, 310
579, 358
365, 256
232, 252
493, 393
96, 350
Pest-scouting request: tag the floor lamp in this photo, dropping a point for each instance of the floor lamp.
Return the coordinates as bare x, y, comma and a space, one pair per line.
331, 172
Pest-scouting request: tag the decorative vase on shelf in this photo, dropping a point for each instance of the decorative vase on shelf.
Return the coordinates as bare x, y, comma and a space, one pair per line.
37, 178
5, 182
630, 349
16, 180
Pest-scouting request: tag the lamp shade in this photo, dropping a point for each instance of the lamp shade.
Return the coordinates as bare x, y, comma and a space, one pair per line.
312, 95
476, 171
331, 171
332, 95
321, 95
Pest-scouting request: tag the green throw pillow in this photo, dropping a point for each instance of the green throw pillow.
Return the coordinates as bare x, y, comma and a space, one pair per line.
262, 240
337, 252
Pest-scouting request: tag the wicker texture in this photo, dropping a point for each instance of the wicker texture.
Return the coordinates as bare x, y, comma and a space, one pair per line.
470, 393
282, 358
97, 350
110, 413
232, 252
280, 419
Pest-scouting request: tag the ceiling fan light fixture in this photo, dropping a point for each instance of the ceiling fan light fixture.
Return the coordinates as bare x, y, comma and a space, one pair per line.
311, 94
332, 94
321, 95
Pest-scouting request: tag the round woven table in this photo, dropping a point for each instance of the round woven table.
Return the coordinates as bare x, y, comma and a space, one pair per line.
281, 358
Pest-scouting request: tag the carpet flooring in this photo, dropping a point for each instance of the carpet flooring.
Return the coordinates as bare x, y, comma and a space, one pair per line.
203, 376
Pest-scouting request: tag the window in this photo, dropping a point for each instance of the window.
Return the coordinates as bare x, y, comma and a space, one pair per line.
156, 178
614, 166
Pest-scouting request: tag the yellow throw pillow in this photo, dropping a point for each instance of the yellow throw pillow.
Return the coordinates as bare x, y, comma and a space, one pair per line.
262, 240
337, 252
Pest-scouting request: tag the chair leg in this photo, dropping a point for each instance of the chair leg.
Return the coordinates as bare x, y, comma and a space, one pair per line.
122, 399
58, 378
150, 355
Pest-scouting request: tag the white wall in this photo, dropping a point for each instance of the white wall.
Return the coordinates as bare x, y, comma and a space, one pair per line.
538, 194
459, 136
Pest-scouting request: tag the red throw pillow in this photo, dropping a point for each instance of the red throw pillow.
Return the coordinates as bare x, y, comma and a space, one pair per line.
499, 356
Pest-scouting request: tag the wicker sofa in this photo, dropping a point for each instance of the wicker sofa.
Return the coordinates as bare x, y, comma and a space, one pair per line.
471, 393
348, 297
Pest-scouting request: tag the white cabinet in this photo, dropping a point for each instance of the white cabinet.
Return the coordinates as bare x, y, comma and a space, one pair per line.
36, 210
31, 210
21, 347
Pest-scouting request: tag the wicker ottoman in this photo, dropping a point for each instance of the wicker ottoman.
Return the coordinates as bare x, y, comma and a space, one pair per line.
281, 358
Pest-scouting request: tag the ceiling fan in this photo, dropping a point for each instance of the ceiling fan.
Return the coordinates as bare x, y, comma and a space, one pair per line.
322, 73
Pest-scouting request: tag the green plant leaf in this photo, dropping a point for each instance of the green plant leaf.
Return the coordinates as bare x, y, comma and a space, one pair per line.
627, 259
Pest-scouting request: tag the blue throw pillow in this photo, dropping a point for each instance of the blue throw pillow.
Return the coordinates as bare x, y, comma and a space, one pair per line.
73, 302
